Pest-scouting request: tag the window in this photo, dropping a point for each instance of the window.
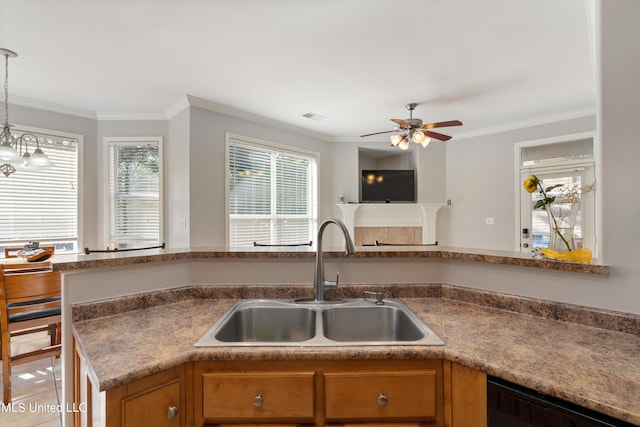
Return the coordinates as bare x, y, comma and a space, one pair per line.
271, 193
42, 205
134, 178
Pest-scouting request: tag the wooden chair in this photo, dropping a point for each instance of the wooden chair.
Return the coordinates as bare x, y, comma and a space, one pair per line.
30, 302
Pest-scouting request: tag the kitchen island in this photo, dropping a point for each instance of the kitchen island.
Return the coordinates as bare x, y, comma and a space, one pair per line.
588, 357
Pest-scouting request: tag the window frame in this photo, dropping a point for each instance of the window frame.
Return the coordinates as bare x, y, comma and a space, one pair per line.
109, 141
79, 138
271, 146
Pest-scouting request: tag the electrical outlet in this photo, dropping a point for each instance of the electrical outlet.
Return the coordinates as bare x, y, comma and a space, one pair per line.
489, 220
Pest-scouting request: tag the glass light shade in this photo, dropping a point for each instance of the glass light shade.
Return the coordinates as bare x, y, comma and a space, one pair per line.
39, 160
404, 144
418, 137
8, 154
425, 142
396, 139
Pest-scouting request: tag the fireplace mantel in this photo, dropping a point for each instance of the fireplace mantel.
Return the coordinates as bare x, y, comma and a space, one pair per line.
392, 215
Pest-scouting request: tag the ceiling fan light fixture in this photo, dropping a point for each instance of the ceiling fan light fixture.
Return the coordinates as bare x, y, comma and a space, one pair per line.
404, 144
396, 139
425, 142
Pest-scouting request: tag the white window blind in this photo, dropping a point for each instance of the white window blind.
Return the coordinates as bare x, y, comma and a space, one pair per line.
271, 194
42, 205
134, 196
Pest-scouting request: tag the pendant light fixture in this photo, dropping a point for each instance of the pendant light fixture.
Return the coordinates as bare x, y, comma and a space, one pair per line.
11, 154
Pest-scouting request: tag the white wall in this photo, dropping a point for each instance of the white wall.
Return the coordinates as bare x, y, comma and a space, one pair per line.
177, 221
619, 113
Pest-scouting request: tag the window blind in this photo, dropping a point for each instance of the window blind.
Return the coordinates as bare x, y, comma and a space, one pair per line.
271, 195
42, 205
134, 194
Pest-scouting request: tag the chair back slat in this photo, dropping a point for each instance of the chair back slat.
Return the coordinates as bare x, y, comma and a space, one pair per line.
31, 286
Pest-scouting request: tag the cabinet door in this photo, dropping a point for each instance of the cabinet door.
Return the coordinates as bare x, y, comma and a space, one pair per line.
465, 391
158, 400
380, 395
156, 407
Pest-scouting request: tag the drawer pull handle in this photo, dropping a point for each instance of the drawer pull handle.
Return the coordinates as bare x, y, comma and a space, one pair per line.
258, 401
382, 400
172, 412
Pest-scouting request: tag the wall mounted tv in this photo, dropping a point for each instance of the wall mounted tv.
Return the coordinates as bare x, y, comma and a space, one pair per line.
388, 186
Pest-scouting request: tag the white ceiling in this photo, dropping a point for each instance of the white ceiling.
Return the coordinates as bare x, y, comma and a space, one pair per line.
492, 64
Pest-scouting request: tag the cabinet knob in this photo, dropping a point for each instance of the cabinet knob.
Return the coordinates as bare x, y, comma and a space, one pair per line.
382, 400
172, 412
258, 401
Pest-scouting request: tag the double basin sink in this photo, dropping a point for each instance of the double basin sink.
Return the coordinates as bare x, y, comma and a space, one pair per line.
307, 323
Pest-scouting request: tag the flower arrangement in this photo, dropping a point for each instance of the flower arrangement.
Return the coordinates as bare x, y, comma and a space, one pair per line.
567, 194
532, 184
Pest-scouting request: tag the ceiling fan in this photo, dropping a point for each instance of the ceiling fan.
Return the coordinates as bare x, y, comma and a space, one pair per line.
415, 130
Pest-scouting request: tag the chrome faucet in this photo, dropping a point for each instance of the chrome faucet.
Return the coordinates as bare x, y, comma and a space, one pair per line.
319, 284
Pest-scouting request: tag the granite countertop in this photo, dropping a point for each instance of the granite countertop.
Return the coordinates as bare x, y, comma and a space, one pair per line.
586, 356
121, 258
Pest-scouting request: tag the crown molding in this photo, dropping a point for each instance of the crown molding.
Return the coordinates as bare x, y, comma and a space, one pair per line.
536, 121
50, 106
134, 116
255, 118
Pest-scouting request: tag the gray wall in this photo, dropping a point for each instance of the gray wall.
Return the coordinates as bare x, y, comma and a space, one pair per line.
480, 177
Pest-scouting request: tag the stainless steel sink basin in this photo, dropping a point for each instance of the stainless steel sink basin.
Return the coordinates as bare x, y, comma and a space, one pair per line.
347, 323
258, 322
370, 323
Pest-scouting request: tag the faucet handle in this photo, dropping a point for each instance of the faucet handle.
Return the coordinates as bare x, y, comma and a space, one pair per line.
379, 297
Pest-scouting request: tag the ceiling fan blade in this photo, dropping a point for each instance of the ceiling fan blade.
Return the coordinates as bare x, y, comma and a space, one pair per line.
436, 135
402, 123
442, 124
378, 133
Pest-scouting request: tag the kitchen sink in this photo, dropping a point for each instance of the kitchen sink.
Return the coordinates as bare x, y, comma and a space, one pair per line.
349, 322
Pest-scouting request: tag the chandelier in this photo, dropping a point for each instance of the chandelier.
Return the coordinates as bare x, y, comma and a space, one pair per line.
11, 155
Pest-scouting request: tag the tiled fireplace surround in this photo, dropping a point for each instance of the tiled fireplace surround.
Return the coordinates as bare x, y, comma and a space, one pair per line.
393, 223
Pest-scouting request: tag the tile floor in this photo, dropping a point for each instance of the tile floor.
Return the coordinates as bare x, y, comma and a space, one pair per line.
35, 388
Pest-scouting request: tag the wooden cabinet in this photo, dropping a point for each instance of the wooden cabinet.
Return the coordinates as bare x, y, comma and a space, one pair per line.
357, 393
319, 392
158, 400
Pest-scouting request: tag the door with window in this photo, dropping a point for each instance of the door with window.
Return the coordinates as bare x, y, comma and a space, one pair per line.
134, 196
569, 167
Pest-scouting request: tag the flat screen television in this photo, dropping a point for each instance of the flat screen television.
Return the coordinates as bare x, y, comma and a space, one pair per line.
388, 186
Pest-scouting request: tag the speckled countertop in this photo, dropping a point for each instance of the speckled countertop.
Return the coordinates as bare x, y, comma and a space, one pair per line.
116, 259
588, 356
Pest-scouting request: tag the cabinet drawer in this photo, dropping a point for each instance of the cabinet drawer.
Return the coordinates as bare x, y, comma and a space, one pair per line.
258, 395
380, 395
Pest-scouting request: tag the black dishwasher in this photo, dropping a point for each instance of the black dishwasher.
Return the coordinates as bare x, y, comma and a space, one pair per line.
510, 405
